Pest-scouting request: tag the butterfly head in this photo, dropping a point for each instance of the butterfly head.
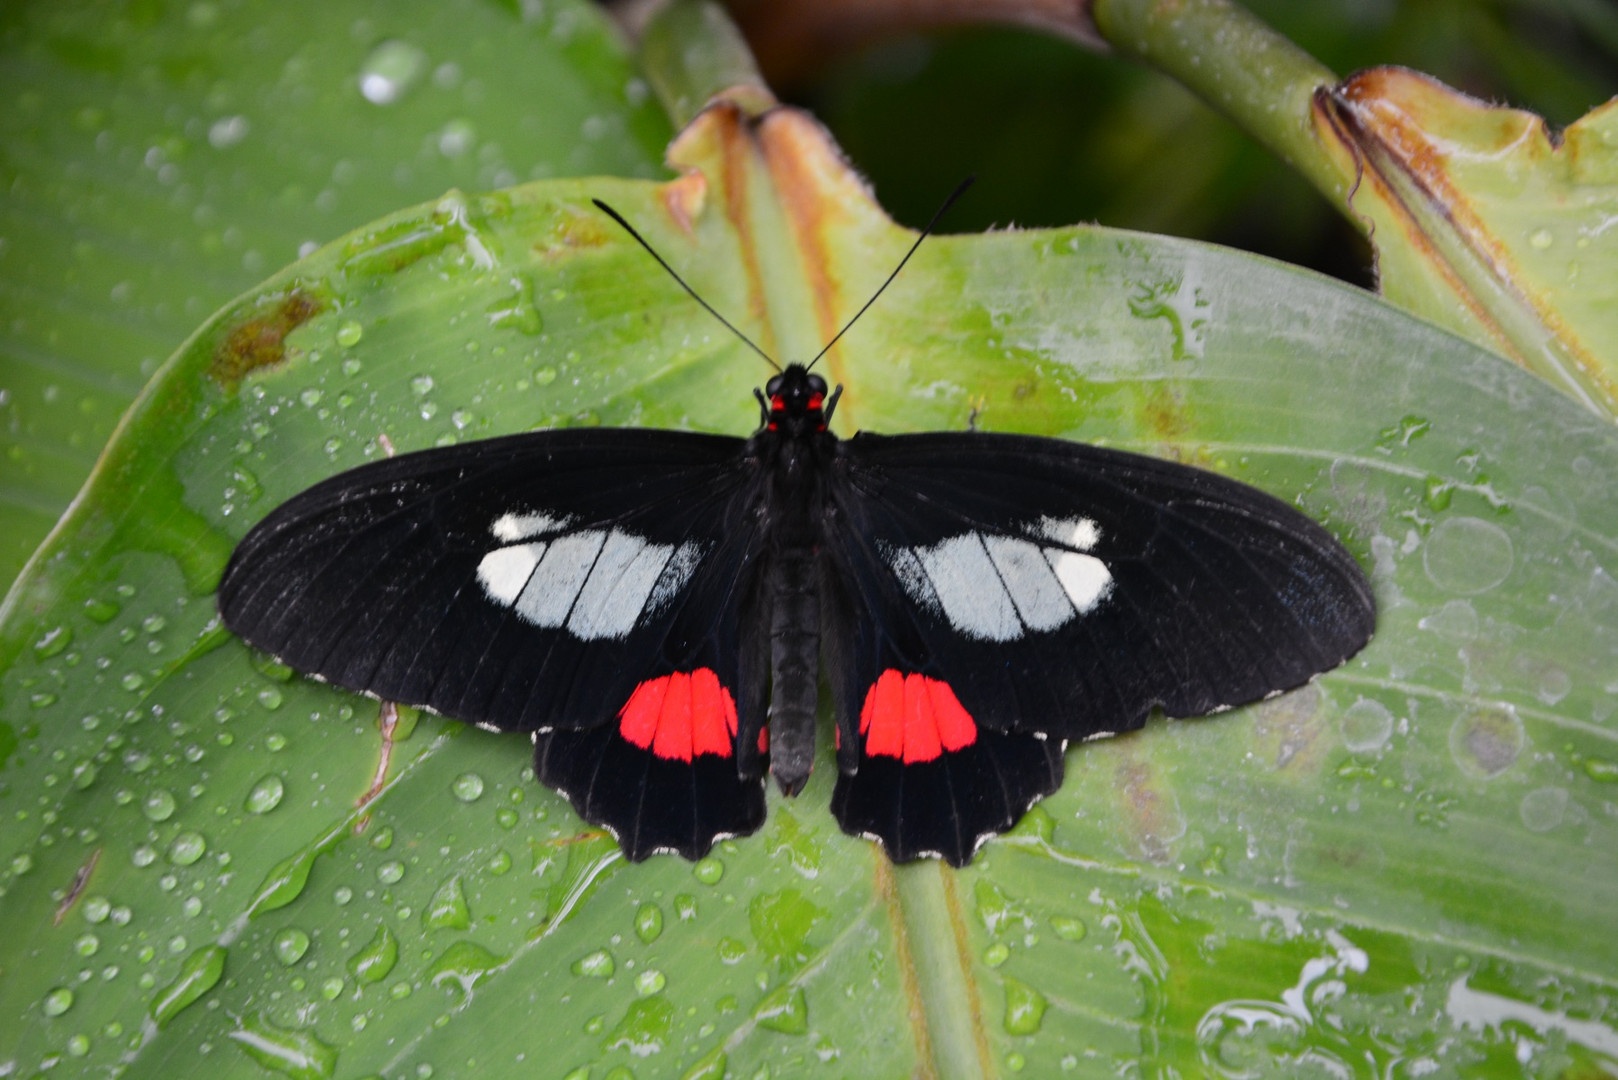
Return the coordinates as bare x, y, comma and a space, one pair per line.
796, 402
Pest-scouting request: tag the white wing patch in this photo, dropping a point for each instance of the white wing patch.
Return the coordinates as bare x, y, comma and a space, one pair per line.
505, 571
595, 582
965, 582
509, 527
999, 588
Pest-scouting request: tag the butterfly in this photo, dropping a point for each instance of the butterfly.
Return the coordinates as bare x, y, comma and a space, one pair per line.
655, 608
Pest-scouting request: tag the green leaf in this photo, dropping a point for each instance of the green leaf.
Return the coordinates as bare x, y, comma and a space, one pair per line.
158, 159
1397, 863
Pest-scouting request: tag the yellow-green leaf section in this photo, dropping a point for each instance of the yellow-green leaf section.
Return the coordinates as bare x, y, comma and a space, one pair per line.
1489, 223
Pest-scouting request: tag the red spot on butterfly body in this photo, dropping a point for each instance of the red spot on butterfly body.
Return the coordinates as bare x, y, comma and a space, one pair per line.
914, 718
680, 716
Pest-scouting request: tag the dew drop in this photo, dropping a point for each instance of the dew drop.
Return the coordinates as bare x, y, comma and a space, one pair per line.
101, 611
1069, 927
84, 774
342, 895
349, 335
448, 910
422, 385
187, 848
1541, 239
391, 69
332, 988
1467, 555
87, 945
708, 870
1601, 770
597, 965
996, 954
468, 787
22, 864
731, 951
275, 742
144, 855
1025, 1007
283, 884
372, 963
383, 840
1542, 809
1366, 725
158, 805
270, 697
296, 1054
52, 642
290, 945
77, 1046
649, 982
506, 817
265, 796
1486, 742
648, 922
784, 1009
57, 1002
464, 964
198, 974
96, 909
391, 872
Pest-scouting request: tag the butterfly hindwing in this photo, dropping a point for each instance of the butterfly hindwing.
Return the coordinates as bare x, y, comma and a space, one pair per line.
554, 583
1026, 592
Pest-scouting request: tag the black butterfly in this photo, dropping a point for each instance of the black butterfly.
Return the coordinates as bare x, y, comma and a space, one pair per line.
654, 607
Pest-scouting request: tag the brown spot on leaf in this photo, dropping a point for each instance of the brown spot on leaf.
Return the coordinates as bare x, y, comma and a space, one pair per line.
1164, 414
81, 879
260, 340
1154, 811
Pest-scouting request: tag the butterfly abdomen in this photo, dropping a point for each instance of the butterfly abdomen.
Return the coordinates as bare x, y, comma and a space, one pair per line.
794, 664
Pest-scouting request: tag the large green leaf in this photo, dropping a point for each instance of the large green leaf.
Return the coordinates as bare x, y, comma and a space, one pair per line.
1404, 868
157, 159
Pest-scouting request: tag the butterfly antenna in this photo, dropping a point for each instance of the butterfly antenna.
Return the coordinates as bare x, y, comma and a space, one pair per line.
956, 194
641, 240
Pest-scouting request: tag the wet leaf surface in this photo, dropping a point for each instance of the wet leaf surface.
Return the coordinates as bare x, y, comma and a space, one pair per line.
1395, 870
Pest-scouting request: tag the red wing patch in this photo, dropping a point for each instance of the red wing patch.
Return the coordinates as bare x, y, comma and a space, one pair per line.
914, 718
680, 716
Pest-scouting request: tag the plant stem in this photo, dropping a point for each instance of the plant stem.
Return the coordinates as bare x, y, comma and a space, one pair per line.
1238, 65
692, 53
